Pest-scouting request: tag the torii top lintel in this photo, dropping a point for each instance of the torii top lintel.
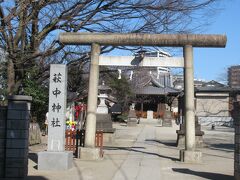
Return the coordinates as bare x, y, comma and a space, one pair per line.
164, 40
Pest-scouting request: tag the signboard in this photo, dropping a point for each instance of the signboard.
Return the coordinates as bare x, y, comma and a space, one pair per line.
57, 107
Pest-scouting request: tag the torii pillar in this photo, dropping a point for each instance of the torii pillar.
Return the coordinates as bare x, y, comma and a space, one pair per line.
187, 41
189, 154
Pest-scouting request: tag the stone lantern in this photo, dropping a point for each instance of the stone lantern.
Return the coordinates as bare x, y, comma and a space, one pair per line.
103, 118
132, 118
103, 94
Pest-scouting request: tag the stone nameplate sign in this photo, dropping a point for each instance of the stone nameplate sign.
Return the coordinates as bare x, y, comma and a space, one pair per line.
57, 107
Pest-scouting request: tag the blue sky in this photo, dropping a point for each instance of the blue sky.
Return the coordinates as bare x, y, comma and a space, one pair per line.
211, 63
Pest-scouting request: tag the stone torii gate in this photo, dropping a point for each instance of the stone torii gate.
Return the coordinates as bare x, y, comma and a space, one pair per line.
187, 41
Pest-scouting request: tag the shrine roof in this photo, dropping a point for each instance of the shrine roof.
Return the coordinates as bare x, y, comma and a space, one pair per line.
151, 90
213, 89
213, 86
154, 87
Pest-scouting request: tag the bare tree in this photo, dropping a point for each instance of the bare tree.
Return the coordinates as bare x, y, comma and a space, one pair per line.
223, 76
28, 28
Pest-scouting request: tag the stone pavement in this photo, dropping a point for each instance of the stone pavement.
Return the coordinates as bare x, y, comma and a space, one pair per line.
148, 151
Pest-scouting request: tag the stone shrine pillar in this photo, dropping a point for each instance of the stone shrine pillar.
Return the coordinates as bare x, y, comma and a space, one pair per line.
56, 158
17, 132
189, 154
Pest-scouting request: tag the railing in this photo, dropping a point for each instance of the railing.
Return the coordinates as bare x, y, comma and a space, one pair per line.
75, 139
70, 137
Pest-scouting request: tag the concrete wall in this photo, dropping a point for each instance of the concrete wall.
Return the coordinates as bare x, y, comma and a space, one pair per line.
218, 121
212, 106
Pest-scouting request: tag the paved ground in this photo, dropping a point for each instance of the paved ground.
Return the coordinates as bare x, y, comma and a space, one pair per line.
148, 151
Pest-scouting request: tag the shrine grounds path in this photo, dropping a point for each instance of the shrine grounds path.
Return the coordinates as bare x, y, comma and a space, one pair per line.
148, 152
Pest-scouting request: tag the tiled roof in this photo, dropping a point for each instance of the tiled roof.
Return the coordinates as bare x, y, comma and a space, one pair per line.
213, 86
151, 90
155, 87
213, 89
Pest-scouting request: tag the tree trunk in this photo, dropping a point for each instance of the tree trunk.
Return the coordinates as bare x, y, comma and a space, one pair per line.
10, 77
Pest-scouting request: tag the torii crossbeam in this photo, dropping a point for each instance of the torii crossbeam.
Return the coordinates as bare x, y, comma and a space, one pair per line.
176, 62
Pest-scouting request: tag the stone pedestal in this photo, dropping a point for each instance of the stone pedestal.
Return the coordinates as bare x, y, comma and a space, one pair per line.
167, 119
87, 153
190, 156
181, 141
108, 138
132, 118
55, 160
198, 135
104, 123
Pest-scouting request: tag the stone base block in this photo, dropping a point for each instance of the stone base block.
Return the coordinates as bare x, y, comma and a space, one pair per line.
166, 123
132, 122
181, 141
108, 138
55, 160
160, 122
104, 122
86, 153
190, 156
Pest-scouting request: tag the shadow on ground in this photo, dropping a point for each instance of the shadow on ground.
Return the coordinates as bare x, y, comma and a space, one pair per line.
222, 147
167, 143
34, 158
207, 175
36, 178
136, 149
